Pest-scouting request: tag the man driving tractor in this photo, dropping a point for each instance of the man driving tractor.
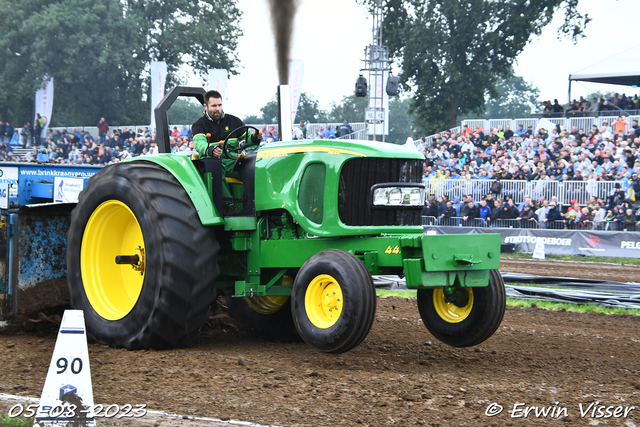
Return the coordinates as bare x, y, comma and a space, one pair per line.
219, 126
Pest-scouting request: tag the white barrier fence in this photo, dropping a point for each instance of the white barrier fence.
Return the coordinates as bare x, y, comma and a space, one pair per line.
359, 129
567, 123
565, 192
564, 224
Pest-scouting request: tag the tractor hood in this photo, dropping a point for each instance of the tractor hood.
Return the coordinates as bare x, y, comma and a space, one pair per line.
306, 178
338, 146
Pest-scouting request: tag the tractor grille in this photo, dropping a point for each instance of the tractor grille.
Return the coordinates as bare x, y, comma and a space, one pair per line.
357, 178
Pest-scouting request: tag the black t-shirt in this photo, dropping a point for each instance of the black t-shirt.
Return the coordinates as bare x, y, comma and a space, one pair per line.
220, 129
454, 150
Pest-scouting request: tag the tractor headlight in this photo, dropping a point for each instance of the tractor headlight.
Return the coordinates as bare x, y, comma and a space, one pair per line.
395, 197
410, 195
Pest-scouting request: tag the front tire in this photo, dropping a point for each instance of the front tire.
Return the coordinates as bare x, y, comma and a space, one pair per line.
162, 300
468, 323
333, 301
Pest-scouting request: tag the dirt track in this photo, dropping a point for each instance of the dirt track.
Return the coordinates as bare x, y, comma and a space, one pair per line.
400, 375
586, 270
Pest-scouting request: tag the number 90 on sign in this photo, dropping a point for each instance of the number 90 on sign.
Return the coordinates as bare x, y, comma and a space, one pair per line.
63, 364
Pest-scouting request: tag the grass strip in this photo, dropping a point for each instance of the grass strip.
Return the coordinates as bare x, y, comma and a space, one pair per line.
532, 303
553, 257
6, 421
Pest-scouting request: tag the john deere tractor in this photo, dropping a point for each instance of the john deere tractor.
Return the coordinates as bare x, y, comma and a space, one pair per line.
150, 250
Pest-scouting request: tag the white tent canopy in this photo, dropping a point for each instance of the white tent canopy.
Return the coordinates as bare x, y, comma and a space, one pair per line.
620, 69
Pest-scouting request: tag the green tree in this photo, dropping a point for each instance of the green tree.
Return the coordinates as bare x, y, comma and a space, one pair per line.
308, 110
252, 119
185, 111
98, 53
351, 108
400, 121
201, 34
270, 111
516, 98
452, 52
85, 45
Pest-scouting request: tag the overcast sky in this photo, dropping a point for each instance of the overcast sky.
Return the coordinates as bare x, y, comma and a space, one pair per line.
330, 37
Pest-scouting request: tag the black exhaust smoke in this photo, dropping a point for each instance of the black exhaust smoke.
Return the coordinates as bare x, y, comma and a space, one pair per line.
282, 14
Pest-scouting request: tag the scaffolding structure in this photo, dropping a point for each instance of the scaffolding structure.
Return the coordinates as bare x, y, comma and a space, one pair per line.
377, 64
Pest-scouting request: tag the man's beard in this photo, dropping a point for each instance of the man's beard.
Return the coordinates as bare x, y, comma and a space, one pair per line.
216, 115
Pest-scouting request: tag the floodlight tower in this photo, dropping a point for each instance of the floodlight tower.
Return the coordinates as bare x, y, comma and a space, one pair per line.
377, 63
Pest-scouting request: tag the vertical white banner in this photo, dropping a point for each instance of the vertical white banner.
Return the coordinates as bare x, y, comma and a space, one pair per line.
378, 102
158, 79
296, 73
44, 104
218, 81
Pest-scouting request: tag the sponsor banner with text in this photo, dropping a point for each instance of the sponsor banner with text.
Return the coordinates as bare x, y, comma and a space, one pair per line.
44, 104
560, 242
158, 79
217, 80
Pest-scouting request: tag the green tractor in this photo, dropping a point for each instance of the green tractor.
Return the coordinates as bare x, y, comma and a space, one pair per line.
150, 250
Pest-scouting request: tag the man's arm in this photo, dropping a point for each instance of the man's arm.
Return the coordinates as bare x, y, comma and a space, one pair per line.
201, 143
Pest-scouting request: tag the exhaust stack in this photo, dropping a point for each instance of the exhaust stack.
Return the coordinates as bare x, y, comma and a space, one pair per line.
284, 113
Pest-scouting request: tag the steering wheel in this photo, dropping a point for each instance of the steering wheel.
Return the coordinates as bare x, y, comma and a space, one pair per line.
227, 151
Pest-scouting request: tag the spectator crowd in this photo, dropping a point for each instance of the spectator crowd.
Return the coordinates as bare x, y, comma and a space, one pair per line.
114, 145
605, 153
608, 153
598, 105
614, 214
598, 154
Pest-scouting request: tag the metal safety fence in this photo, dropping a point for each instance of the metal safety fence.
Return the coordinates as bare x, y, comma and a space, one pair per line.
580, 122
359, 128
564, 191
523, 223
584, 123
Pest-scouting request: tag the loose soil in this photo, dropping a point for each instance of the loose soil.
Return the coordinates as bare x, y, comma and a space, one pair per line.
586, 270
400, 375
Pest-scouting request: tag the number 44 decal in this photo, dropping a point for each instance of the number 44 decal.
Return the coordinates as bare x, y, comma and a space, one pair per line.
391, 250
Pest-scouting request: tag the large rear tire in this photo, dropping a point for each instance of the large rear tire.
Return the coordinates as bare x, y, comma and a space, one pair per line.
333, 301
161, 298
468, 323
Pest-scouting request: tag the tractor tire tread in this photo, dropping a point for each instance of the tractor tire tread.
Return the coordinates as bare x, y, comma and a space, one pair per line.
483, 321
183, 296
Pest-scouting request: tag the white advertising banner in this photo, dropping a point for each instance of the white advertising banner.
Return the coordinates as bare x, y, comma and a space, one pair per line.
378, 112
9, 175
4, 195
158, 79
67, 190
44, 104
296, 73
218, 81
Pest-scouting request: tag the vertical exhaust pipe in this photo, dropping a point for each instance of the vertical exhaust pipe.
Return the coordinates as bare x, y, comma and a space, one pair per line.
284, 113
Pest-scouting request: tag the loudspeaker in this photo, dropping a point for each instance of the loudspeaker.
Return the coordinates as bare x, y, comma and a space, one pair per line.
392, 85
361, 87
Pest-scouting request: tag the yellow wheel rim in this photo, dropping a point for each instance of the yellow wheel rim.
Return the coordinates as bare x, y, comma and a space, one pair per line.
269, 304
449, 312
323, 301
112, 289
266, 305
